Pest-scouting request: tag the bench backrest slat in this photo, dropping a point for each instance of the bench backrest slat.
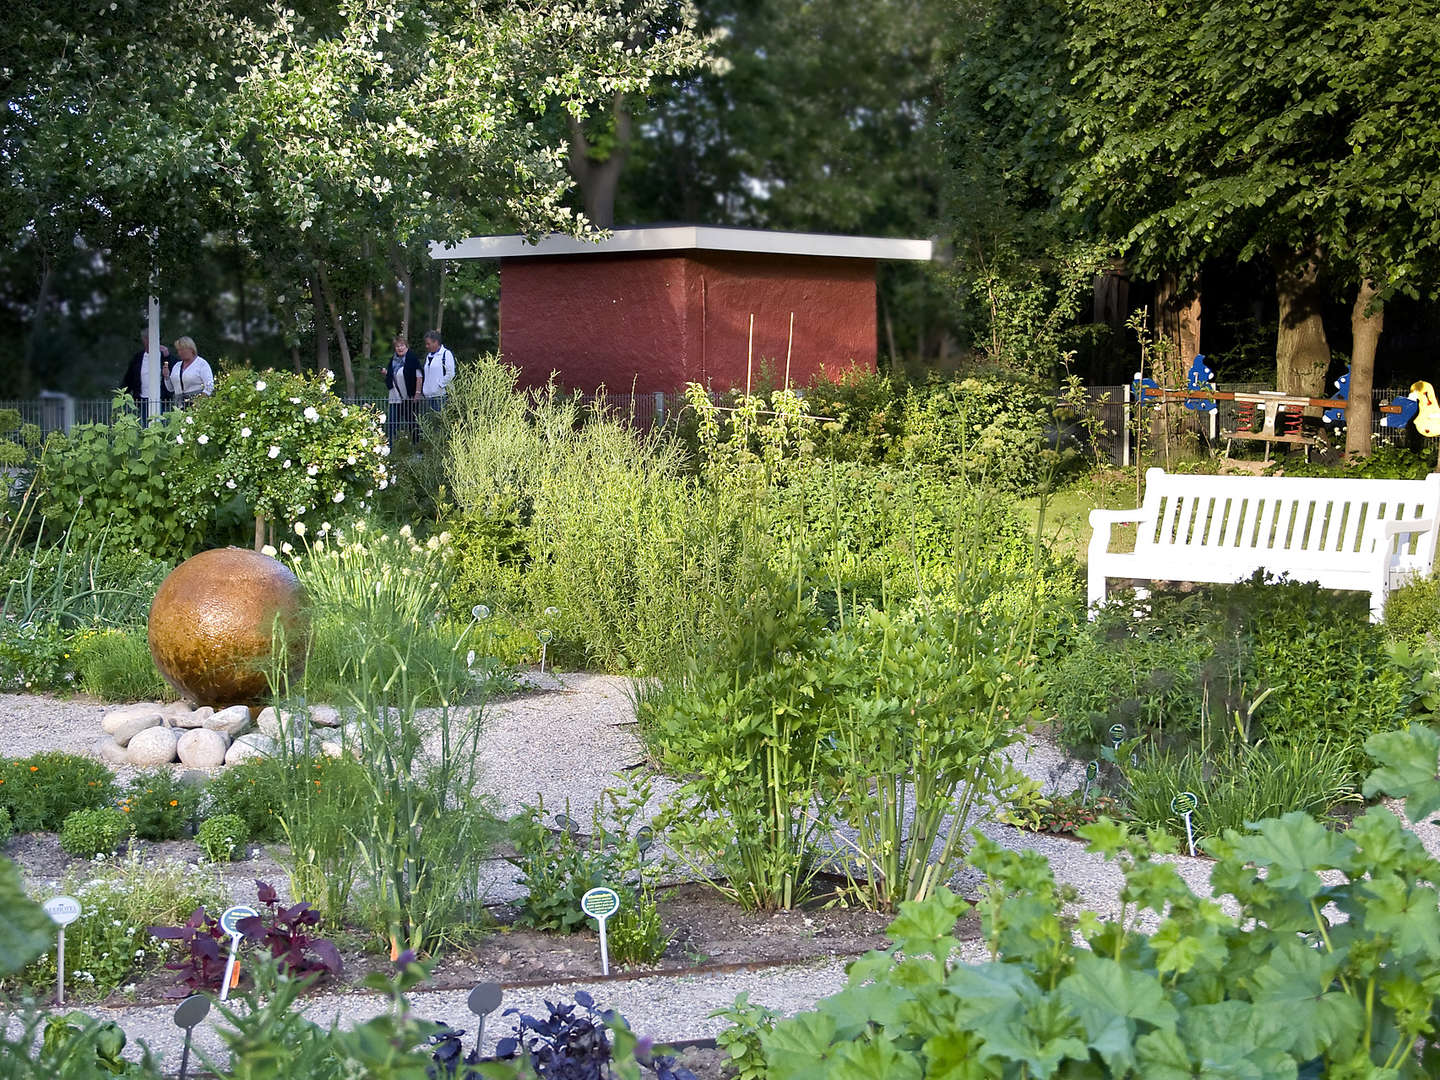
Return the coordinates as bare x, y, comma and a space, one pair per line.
1313, 520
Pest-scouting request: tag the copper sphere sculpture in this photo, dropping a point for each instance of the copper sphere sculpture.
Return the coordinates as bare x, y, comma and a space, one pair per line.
213, 626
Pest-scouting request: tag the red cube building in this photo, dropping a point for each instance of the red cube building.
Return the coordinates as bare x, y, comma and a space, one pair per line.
655, 308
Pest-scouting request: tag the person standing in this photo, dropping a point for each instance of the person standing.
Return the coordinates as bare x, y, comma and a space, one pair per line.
137, 375
439, 369
404, 381
190, 376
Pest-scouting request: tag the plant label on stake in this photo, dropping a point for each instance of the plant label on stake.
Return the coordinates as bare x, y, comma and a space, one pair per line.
230, 923
190, 1012
600, 904
1092, 772
63, 910
1117, 735
1184, 804
483, 1001
545, 637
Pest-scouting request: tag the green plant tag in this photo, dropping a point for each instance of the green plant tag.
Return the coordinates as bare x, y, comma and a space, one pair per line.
600, 904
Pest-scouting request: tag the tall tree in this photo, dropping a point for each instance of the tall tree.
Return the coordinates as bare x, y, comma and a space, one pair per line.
1216, 129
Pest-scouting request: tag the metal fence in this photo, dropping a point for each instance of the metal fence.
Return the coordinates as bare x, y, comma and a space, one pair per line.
1107, 404
61, 412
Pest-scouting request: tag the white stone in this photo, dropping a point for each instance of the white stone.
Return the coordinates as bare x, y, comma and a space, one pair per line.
203, 748
125, 732
249, 747
331, 748
326, 716
233, 721
153, 746
181, 714
125, 723
268, 722
110, 751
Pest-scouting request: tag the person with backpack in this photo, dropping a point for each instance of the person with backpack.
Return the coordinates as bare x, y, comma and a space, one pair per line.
439, 370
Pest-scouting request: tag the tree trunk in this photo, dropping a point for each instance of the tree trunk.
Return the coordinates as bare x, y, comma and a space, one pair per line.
401, 265
367, 322
439, 296
259, 531
322, 334
1367, 321
244, 312
295, 359
338, 325
37, 323
1302, 354
600, 179
1111, 295
1177, 328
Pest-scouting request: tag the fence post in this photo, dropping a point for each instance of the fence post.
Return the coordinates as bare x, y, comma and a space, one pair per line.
659, 405
1125, 429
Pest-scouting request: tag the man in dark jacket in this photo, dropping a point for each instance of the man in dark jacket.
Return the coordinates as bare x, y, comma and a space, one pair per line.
403, 381
134, 383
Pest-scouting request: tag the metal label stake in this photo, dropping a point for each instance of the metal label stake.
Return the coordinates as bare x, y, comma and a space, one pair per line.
600, 904
63, 910
483, 1001
1092, 772
190, 1012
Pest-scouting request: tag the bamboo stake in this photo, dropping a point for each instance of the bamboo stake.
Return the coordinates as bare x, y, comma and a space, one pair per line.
788, 344
749, 353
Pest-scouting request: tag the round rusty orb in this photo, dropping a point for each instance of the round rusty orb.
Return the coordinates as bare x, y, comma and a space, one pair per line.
213, 625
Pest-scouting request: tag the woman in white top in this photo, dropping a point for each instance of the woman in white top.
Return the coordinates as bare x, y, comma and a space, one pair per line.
190, 376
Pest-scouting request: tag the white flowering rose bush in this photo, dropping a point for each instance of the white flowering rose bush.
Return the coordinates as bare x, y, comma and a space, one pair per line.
290, 446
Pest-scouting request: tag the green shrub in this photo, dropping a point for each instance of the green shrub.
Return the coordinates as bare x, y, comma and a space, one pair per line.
88, 833
253, 791
160, 805
115, 665
986, 425
1289, 662
41, 791
139, 485
1412, 612
108, 946
7, 827
221, 837
558, 865
578, 512
34, 657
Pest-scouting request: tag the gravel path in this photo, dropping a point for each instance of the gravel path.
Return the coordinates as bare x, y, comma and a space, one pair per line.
566, 739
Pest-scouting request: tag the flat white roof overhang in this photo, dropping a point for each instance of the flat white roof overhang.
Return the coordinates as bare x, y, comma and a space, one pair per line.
689, 238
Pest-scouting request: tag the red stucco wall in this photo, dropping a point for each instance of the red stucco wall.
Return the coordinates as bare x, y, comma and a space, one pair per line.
659, 321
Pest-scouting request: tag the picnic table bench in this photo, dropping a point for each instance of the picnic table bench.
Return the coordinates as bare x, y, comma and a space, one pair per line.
1355, 535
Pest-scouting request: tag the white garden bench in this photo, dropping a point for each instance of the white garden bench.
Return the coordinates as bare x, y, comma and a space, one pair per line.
1355, 535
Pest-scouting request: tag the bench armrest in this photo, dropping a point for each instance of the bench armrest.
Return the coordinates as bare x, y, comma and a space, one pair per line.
1406, 525
1102, 520
1115, 517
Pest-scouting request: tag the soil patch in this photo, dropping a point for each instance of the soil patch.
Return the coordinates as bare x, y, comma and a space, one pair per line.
707, 932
